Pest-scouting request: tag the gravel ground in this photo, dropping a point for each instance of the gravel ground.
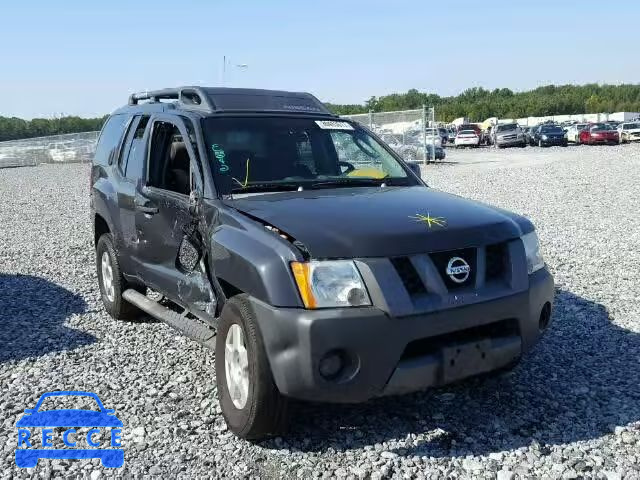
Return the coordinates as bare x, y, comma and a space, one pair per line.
571, 409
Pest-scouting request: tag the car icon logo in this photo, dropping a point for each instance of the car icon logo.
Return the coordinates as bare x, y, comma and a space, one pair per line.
32, 447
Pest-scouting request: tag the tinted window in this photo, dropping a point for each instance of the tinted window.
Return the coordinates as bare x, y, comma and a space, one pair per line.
135, 155
504, 128
110, 138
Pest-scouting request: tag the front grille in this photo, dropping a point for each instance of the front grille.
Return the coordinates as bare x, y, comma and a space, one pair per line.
441, 261
496, 261
410, 278
432, 345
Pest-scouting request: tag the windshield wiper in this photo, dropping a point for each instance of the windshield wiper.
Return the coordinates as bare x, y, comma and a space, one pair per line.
355, 182
266, 187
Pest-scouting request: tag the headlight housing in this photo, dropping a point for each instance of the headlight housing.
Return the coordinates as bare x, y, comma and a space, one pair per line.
330, 283
532, 251
544, 137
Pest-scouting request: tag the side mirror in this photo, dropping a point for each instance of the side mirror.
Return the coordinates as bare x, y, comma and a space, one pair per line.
415, 168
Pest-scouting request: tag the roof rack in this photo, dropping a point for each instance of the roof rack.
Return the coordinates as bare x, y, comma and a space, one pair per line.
194, 97
235, 100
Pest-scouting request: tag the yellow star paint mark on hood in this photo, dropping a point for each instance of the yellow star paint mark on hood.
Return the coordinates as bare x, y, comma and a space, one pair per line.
429, 220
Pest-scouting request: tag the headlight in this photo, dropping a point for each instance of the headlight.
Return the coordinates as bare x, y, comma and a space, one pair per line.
335, 283
544, 137
532, 250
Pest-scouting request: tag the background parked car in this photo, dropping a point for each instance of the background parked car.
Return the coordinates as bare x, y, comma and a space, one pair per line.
430, 134
629, 132
549, 134
599, 133
574, 131
444, 135
467, 138
487, 136
528, 133
452, 136
508, 135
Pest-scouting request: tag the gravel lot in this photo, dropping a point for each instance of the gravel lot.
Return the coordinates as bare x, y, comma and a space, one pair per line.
571, 409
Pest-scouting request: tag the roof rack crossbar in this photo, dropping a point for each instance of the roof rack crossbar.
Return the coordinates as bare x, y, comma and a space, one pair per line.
194, 97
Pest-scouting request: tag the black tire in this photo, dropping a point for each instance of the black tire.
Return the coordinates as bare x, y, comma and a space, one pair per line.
266, 410
118, 308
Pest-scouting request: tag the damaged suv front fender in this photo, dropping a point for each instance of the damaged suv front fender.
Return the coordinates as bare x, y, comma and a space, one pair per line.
254, 260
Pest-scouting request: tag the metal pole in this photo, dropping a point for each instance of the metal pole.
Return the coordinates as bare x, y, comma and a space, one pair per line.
371, 120
224, 68
424, 134
433, 135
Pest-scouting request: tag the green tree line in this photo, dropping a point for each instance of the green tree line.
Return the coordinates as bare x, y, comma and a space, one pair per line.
475, 103
478, 103
12, 128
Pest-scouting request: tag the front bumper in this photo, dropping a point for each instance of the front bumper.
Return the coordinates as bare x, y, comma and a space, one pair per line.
554, 141
389, 355
509, 142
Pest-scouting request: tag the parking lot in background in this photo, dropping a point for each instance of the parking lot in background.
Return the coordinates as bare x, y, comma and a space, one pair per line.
571, 408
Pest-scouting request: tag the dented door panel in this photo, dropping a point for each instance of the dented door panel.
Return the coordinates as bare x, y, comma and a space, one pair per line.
159, 237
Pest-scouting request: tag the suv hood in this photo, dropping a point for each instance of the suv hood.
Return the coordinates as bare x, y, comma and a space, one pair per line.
381, 222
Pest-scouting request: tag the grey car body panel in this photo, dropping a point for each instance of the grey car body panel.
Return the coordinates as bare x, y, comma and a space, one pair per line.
381, 222
253, 259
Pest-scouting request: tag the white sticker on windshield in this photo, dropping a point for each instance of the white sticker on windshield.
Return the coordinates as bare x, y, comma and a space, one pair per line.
333, 125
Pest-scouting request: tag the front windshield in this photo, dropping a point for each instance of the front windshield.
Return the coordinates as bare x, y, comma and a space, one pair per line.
504, 128
272, 152
600, 126
552, 129
630, 126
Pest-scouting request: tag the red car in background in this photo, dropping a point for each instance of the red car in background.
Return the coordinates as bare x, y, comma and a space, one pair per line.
596, 133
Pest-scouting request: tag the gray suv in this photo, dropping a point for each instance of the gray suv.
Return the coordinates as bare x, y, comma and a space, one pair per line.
305, 252
509, 135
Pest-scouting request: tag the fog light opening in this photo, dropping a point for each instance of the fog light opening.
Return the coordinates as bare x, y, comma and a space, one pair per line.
545, 317
332, 364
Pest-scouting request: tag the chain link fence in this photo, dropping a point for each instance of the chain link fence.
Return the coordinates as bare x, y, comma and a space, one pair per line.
411, 133
68, 148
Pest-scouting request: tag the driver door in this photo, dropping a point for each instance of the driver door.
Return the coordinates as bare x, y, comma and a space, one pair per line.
162, 215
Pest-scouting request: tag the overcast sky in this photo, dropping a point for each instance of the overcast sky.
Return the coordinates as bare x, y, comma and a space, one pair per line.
80, 58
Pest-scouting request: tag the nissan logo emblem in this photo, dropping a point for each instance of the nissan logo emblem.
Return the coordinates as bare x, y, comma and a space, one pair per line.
458, 269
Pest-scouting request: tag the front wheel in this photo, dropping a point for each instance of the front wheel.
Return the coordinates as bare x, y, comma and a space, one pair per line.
112, 283
250, 402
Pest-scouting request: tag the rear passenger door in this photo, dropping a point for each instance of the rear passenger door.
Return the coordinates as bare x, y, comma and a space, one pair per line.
162, 210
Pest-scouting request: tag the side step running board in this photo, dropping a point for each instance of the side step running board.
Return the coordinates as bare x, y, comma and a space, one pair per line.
187, 326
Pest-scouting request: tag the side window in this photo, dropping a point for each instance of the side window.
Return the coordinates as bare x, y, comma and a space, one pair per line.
133, 158
169, 164
110, 137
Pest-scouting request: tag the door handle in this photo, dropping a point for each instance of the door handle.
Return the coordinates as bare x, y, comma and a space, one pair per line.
145, 206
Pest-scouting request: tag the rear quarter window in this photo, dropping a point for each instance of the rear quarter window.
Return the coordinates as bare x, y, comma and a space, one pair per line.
110, 138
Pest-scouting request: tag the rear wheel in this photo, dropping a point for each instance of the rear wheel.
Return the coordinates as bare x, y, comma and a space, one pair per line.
112, 283
250, 402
